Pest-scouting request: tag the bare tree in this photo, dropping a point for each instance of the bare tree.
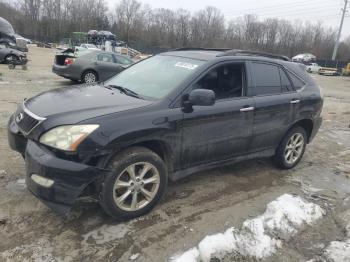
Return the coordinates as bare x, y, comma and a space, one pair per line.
160, 29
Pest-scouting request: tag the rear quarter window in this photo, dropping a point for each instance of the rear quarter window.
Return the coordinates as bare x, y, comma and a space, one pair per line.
297, 82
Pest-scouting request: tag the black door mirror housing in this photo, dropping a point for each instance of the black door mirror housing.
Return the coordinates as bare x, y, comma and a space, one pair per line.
202, 97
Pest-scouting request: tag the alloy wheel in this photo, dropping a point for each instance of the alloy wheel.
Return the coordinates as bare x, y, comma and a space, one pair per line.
294, 148
90, 78
136, 186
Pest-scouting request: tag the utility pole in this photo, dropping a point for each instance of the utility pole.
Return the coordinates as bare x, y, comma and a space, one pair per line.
340, 28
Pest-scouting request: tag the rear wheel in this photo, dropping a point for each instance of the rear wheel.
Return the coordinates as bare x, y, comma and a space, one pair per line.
291, 149
137, 182
89, 77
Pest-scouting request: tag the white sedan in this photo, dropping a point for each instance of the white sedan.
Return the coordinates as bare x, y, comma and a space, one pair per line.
90, 46
313, 68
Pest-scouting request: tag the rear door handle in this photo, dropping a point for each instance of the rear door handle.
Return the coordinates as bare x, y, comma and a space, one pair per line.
246, 109
295, 101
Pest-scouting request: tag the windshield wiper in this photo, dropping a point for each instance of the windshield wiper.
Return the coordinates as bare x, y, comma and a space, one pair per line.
125, 91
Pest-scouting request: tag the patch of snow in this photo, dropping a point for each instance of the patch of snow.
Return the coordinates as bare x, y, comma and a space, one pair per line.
259, 237
338, 251
284, 216
253, 240
191, 255
217, 244
104, 234
21, 181
134, 256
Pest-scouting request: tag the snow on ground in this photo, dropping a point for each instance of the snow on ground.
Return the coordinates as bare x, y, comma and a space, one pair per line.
338, 251
259, 237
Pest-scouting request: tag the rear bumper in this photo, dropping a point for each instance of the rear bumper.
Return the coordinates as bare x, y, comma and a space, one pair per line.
64, 71
69, 178
316, 126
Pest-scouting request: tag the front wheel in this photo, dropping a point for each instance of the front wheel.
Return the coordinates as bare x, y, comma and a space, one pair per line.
291, 149
136, 184
11, 59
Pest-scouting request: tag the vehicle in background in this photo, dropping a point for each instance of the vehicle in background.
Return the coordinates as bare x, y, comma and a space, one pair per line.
176, 113
9, 38
28, 41
304, 58
21, 43
346, 70
313, 68
331, 71
7, 33
89, 66
8, 55
90, 46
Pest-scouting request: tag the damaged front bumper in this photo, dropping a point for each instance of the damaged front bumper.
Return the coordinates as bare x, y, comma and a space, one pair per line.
56, 182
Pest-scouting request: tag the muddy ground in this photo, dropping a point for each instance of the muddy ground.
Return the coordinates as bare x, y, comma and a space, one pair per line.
202, 204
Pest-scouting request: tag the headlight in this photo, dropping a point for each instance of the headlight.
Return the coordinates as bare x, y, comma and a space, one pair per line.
67, 137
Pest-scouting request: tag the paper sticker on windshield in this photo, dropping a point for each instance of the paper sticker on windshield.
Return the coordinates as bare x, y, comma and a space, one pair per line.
186, 65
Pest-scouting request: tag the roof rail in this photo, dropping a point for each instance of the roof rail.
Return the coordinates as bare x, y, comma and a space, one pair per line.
200, 49
234, 52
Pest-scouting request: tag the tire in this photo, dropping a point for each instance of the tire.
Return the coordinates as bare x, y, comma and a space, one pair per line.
89, 77
135, 158
284, 160
11, 57
309, 70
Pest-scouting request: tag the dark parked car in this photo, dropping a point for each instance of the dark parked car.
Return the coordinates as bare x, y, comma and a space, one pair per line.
91, 66
8, 54
163, 118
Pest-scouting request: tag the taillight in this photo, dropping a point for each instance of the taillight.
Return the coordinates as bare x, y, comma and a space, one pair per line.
68, 61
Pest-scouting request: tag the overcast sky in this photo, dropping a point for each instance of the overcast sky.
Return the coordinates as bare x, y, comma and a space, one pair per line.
327, 11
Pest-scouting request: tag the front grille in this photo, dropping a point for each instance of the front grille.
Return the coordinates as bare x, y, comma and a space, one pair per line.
26, 121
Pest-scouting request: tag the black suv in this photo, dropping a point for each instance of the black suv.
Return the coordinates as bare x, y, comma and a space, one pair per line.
163, 118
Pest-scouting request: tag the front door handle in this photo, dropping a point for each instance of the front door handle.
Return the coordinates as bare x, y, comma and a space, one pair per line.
246, 109
295, 101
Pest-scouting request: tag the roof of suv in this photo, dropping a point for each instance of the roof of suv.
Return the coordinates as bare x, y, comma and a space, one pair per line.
213, 53
206, 54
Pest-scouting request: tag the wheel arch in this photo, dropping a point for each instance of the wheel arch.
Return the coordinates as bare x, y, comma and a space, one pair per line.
160, 147
307, 124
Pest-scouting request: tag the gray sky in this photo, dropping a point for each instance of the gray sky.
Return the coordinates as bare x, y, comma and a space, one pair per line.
327, 11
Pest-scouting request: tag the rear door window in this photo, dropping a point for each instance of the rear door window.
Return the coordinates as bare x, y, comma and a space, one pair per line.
285, 82
267, 78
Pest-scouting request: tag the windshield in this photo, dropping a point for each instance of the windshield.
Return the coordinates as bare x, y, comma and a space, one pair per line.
157, 76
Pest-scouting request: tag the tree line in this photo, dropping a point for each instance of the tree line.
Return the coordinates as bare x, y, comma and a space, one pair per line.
147, 28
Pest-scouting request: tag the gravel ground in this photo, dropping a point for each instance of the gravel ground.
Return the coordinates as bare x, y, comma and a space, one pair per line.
202, 204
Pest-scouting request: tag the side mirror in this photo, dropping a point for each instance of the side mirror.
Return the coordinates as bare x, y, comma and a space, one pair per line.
202, 97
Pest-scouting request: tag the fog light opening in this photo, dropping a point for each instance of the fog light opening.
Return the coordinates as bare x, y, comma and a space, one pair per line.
45, 182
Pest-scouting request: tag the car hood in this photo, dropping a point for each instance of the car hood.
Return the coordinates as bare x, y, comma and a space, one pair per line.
82, 102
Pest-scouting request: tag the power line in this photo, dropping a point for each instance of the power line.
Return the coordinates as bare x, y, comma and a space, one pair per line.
278, 7
295, 12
